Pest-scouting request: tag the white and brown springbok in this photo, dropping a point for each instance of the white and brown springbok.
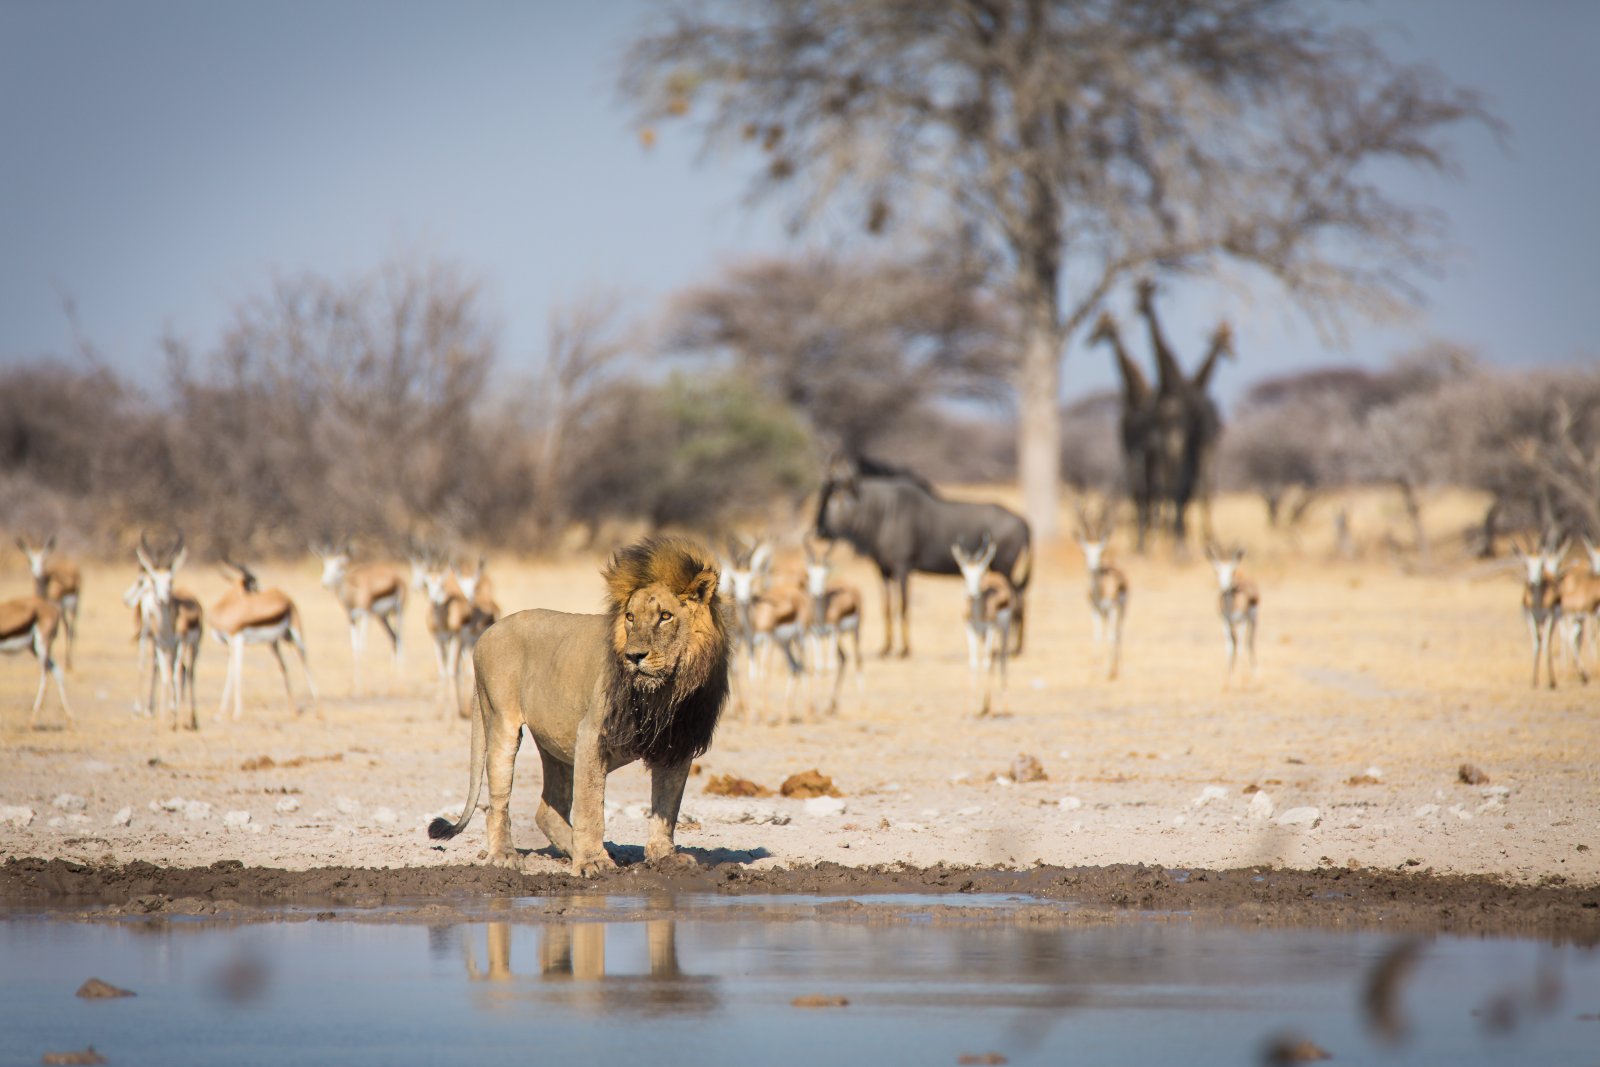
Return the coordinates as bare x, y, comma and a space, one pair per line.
478, 591
248, 615
991, 607
173, 617
1541, 604
56, 580
1108, 586
1579, 600
29, 624
1238, 601
835, 610
449, 620
365, 591
779, 618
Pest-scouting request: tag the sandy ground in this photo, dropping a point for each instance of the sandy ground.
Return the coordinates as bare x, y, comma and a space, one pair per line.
1374, 688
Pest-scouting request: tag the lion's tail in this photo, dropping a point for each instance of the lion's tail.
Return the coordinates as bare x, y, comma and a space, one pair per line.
442, 829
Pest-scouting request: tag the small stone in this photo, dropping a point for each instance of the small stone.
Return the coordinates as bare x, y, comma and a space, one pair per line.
1302, 816
197, 810
15, 815
1003, 780
1026, 768
912, 827
287, 806
1207, 795
1261, 806
823, 807
78, 820
170, 804
95, 989
385, 816
69, 802
1425, 810
237, 818
123, 817
1461, 813
1179, 820
347, 805
1069, 803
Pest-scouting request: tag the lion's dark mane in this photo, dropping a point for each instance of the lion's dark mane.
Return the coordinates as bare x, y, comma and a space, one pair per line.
674, 720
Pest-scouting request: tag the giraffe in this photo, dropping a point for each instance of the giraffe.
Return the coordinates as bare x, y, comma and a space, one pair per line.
1135, 426
1187, 424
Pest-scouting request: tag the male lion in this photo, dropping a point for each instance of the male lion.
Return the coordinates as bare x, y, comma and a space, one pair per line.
647, 680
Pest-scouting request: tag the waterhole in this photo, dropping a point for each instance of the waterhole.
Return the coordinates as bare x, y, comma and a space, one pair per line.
824, 981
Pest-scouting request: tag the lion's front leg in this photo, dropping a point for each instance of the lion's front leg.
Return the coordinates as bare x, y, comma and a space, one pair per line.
666, 795
589, 856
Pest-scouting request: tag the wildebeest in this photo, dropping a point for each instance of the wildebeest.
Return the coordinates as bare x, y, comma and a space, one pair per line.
902, 524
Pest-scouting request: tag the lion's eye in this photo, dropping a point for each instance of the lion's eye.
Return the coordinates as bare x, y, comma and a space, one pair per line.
666, 616
629, 616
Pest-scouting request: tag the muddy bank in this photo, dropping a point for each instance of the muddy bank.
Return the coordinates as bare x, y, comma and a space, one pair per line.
1333, 897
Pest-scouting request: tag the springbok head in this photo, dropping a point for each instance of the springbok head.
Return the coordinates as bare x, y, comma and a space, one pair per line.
746, 570
974, 564
468, 583
1093, 534
38, 556
819, 568
1226, 567
160, 574
335, 562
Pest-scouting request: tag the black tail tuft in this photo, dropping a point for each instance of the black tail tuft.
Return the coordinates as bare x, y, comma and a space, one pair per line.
441, 829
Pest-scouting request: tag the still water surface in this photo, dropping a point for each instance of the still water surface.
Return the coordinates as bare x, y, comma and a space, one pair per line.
705, 990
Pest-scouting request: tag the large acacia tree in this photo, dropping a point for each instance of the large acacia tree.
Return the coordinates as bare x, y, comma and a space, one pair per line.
1083, 140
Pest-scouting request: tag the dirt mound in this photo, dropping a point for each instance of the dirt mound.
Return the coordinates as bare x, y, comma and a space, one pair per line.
807, 784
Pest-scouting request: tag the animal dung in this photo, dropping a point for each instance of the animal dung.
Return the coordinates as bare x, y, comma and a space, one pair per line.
1026, 768
812, 783
1472, 775
731, 785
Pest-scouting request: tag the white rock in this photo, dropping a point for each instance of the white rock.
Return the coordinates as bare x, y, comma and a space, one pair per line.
1069, 803
1425, 810
1208, 794
1374, 772
76, 819
912, 827
929, 813
1065, 753
237, 818
15, 815
57, 822
123, 817
613, 810
1461, 813
69, 802
975, 809
386, 816
1302, 816
891, 787
961, 776
170, 804
1261, 806
347, 805
1179, 820
197, 810
1501, 791
1003, 779
286, 806
824, 806
96, 766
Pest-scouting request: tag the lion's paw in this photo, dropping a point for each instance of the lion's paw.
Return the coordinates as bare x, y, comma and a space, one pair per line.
673, 861
593, 866
508, 858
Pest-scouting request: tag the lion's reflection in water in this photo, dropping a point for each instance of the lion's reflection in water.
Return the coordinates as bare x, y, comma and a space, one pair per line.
573, 969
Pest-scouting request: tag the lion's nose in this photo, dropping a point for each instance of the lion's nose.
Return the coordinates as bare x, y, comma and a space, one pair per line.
635, 658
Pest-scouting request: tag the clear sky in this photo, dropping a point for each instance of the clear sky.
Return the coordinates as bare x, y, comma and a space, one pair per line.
161, 160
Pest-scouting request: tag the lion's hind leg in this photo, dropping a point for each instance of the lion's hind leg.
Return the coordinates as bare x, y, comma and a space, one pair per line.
555, 804
501, 744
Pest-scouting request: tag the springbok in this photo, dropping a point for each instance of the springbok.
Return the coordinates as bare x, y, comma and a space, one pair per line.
56, 581
478, 591
173, 617
835, 610
1108, 586
365, 591
1541, 604
248, 615
449, 621
779, 618
991, 606
746, 570
1238, 600
29, 623
1580, 606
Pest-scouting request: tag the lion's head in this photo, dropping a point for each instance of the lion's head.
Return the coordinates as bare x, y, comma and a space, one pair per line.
670, 650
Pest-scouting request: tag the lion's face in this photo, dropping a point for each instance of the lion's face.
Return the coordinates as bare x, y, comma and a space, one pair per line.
654, 631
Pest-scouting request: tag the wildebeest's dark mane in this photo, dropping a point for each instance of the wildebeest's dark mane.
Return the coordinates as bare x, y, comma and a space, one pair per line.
872, 467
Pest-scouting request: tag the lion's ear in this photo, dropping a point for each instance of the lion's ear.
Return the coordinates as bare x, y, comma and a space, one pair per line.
704, 586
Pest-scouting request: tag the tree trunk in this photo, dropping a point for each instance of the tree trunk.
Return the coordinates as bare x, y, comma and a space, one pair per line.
1039, 424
